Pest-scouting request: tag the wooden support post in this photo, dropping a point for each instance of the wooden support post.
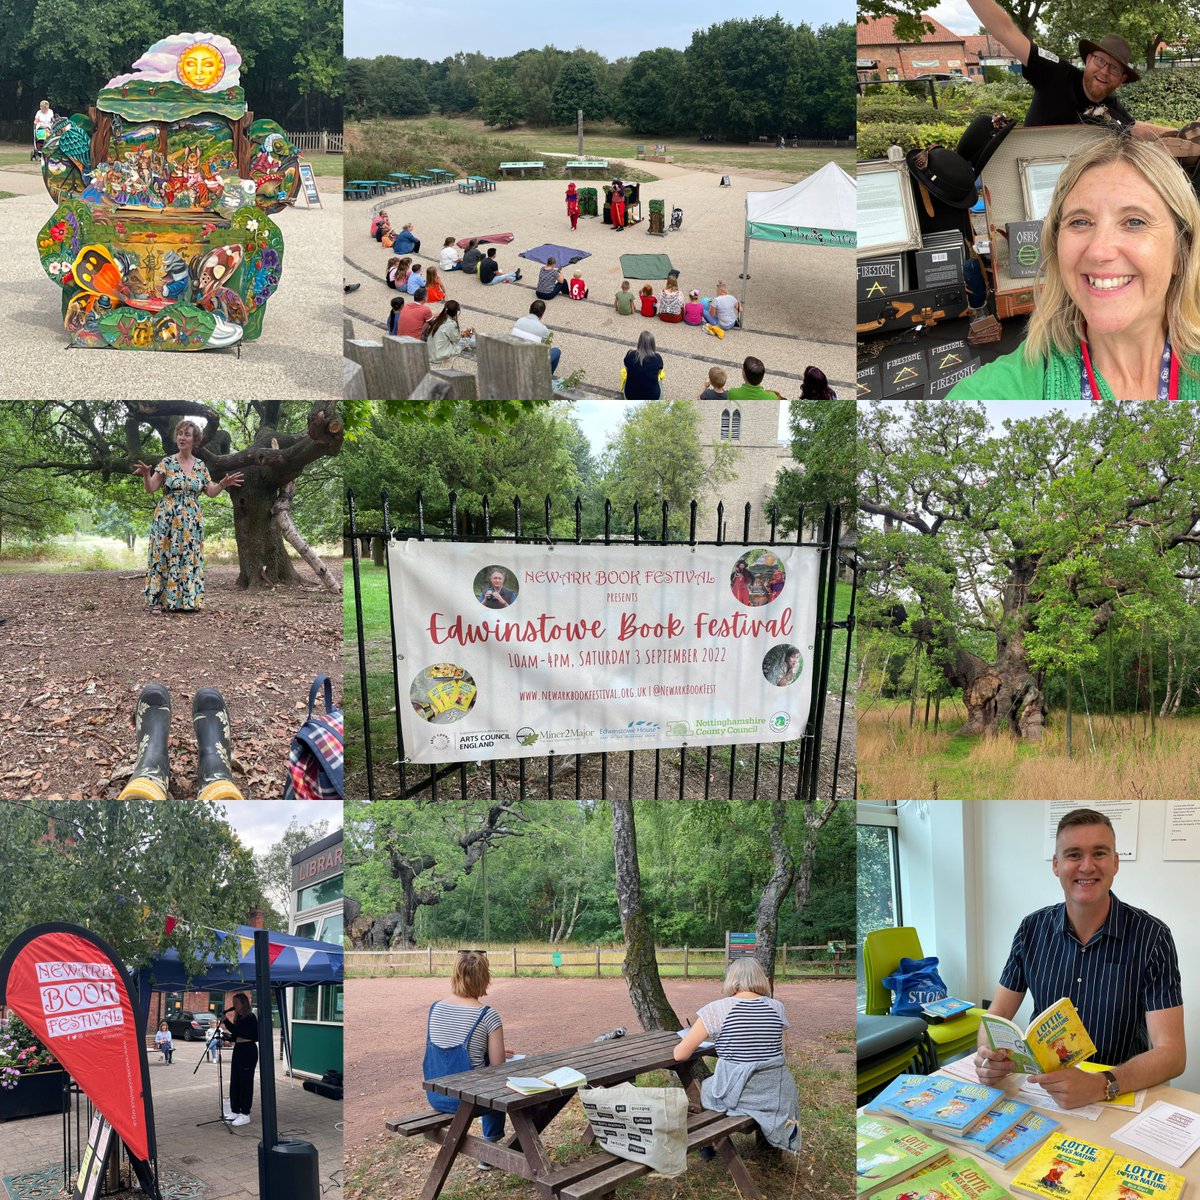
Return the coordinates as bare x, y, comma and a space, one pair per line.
513, 369
405, 363
514, 958
685, 962
597, 962
354, 384
431, 960
369, 355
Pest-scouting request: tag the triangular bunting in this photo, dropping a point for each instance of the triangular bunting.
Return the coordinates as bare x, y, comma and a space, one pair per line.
273, 951
303, 954
247, 945
170, 924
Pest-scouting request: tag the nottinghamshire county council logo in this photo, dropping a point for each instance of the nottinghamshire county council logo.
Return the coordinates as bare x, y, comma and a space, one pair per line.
678, 729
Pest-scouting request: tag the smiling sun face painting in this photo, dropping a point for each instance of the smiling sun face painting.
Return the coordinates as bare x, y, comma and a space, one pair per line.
201, 65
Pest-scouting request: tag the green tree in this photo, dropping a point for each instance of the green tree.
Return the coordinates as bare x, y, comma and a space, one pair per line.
829, 104
358, 88
272, 442
502, 104
120, 868
577, 86
395, 87
1035, 538
657, 456
650, 95
824, 444
1145, 27
31, 507
533, 73
274, 864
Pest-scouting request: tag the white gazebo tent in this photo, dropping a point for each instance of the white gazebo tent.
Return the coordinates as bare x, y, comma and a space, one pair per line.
820, 210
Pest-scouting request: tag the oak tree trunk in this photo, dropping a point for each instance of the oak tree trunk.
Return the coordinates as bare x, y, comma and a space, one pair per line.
640, 967
262, 556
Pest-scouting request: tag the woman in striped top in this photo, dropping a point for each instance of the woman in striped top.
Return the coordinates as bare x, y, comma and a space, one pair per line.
752, 1078
465, 1034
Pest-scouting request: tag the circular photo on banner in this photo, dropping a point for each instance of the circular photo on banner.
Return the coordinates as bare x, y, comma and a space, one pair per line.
782, 664
496, 587
442, 693
757, 578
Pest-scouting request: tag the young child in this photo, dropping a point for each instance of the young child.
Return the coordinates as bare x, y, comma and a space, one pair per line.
716, 385
579, 290
394, 316
693, 310
649, 304
433, 285
624, 300
573, 204
162, 1041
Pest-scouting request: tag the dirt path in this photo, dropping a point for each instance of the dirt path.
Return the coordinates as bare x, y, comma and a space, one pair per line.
78, 647
385, 1042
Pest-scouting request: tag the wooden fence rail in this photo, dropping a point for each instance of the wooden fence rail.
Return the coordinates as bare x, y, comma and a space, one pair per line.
321, 140
703, 962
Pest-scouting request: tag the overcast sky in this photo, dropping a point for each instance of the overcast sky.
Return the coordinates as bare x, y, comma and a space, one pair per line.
956, 15
428, 31
260, 823
600, 419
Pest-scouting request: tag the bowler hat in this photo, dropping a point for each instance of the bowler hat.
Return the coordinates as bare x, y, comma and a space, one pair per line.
945, 174
1114, 46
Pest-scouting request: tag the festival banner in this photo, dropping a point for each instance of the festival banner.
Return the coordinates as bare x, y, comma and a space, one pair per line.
508, 651
72, 991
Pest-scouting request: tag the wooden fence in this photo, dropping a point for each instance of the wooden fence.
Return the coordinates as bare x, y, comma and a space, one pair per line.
398, 368
690, 962
321, 141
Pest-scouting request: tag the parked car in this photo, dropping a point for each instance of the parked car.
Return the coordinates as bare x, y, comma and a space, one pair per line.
944, 78
191, 1026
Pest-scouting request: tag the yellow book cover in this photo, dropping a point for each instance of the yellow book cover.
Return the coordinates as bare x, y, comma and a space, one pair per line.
1124, 1100
1065, 1168
1127, 1179
1055, 1039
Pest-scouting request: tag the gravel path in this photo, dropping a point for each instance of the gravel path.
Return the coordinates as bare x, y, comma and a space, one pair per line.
297, 355
799, 300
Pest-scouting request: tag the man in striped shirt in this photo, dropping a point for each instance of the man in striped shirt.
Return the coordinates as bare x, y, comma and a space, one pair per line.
1116, 963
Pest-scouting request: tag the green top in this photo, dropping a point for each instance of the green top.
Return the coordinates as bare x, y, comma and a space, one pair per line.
751, 391
1011, 377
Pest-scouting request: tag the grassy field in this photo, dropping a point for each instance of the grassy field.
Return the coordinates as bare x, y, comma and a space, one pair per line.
898, 763
395, 1166
381, 692
467, 146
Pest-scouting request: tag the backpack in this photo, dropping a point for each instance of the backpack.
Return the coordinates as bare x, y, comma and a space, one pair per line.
315, 765
441, 1061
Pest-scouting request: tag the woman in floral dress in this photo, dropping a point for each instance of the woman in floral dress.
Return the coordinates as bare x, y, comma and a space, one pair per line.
175, 571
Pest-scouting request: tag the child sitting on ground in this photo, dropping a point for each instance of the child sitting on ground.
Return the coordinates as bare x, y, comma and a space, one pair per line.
393, 320
670, 303
433, 285
380, 224
716, 385
623, 301
649, 304
579, 289
693, 310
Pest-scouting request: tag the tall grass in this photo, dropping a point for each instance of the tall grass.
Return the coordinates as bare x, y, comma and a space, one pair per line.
899, 763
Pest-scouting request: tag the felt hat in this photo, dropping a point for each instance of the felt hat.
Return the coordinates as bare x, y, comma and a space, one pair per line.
945, 174
980, 139
1114, 46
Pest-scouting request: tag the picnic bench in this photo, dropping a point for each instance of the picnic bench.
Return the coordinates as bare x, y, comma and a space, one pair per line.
355, 191
522, 1153
477, 183
523, 166
439, 175
587, 164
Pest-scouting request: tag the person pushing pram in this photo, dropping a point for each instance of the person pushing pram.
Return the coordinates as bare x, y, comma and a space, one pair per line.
42, 120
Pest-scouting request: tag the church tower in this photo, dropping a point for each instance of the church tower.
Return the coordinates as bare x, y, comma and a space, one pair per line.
753, 427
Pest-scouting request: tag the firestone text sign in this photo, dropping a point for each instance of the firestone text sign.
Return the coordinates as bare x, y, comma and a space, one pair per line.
513, 651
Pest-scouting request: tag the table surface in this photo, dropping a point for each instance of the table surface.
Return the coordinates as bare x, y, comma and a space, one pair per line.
1098, 1132
604, 1064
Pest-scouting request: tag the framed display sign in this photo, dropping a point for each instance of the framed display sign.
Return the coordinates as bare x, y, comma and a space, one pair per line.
1038, 179
887, 213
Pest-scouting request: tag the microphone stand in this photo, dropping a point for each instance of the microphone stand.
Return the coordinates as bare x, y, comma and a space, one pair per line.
215, 1038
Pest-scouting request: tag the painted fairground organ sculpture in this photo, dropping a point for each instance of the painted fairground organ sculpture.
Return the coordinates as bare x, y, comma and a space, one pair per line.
162, 239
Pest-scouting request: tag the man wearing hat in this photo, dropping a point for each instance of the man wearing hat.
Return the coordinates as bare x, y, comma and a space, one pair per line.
1064, 94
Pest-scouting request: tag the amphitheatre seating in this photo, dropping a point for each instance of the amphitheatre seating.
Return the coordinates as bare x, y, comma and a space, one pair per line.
523, 167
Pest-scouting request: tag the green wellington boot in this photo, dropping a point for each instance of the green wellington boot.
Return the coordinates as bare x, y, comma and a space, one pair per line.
151, 779
210, 719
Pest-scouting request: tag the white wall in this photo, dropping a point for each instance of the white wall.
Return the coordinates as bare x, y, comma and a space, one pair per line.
970, 871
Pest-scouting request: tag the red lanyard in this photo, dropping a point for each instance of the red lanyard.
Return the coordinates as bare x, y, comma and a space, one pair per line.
1172, 377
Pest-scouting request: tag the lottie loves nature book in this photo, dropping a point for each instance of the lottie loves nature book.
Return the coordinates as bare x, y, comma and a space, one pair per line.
1054, 1039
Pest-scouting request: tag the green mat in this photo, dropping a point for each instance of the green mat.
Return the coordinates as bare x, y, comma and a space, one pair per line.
646, 266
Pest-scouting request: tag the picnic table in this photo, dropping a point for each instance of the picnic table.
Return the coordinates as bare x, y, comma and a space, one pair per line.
522, 1152
403, 179
481, 183
437, 173
373, 186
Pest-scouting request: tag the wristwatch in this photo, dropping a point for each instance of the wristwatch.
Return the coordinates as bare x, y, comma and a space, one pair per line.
1112, 1089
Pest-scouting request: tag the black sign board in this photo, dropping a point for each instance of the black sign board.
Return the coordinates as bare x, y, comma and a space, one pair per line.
879, 278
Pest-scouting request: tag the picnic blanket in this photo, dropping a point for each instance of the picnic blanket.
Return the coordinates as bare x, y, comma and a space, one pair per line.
564, 255
646, 266
484, 239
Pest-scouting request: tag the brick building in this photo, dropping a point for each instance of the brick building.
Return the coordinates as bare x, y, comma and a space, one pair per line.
881, 55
